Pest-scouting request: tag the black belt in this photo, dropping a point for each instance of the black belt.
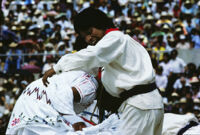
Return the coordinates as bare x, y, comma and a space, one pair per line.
188, 126
110, 103
138, 89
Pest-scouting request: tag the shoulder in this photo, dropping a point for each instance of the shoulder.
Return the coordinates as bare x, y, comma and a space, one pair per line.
112, 37
116, 34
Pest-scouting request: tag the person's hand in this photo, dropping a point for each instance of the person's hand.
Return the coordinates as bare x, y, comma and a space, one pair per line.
78, 126
48, 73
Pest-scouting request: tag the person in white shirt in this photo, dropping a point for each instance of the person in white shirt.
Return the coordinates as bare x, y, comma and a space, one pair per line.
6, 8
127, 72
181, 82
183, 44
161, 79
165, 64
177, 64
64, 23
23, 15
54, 109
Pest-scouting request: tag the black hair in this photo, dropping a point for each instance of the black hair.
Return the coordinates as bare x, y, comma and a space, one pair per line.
91, 17
159, 70
79, 43
166, 54
174, 52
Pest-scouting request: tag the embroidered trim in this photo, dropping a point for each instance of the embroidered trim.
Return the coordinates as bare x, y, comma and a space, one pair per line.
39, 96
15, 121
36, 119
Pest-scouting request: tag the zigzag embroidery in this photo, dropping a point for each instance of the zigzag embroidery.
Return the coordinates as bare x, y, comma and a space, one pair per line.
36, 90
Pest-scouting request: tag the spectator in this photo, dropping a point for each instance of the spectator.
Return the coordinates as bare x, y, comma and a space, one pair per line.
189, 102
61, 50
182, 106
190, 70
57, 36
183, 44
165, 64
64, 23
176, 11
189, 26
187, 9
38, 18
46, 32
161, 79
48, 64
175, 102
13, 63
23, 15
23, 84
196, 38
6, 9
196, 19
69, 45
171, 43
159, 50
7, 37
177, 64
49, 50
196, 92
180, 83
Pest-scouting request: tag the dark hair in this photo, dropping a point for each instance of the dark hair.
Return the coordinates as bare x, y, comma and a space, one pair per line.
174, 52
159, 69
91, 17
166, 54
79, 43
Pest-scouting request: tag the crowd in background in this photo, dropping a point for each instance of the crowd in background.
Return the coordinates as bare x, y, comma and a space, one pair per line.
34, 34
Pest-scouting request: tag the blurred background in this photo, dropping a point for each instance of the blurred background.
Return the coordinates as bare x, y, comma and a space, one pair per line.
34, 34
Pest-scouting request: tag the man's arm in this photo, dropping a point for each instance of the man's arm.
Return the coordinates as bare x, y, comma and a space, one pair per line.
104, 52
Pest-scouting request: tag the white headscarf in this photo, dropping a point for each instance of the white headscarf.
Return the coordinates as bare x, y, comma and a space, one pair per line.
86, 85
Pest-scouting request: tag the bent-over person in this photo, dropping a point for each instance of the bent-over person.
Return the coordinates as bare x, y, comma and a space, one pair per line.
53, 109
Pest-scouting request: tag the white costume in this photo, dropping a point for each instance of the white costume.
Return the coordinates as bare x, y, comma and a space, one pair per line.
126, 64
174, 122
50, 110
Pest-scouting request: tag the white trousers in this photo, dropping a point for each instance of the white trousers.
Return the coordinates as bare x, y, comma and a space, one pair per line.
38, 130
140, 122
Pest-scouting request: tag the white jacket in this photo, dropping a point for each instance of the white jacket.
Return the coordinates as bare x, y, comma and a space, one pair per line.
126, 63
